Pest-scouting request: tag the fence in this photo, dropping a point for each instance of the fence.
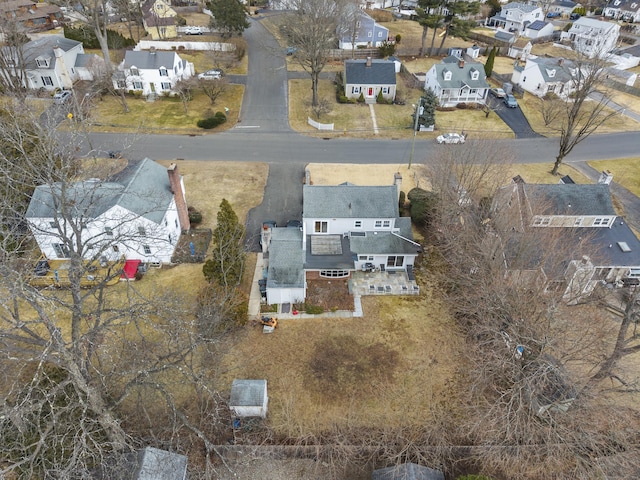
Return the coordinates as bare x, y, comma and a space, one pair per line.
319, 126
340, 54
623, 88
178, 45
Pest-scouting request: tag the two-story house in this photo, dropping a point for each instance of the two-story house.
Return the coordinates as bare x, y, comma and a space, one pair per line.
151, 71
455, 81
542, 75
593, 38
159, 19
626, 10
357, 29
138, 213
50, 62
345, 228
515, 17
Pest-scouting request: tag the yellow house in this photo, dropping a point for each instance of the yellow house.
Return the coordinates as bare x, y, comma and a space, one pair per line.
159, 19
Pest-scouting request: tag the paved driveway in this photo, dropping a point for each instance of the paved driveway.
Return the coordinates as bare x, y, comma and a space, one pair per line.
513, 117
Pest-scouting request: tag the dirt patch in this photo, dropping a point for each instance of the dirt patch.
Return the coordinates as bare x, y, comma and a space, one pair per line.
331, 294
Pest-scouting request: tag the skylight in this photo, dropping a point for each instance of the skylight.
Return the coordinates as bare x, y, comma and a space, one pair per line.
624, 247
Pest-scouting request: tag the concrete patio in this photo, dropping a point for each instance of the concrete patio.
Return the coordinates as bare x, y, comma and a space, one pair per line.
383, 283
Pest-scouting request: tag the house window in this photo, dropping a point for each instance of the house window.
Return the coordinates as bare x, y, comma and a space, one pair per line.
474, 74
473, 91
601, 222
334, 273
142, 231
395, 261
147, 249
61, 250
541, 221
358, 24
321, 227
385, 90
355, 89
122, 84
386, 223
379, 34
447, 75
134, 71
47, 81
165, 86
176, 222
524, 79
370, 34
577, 222
42, 62
163, 72
108, 231
137, 85
378, 224
170, 239
116, 248
357, 224
362, 258
52, 224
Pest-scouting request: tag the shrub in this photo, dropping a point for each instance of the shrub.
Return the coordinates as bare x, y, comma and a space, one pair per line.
398, 38
195, 217
88, 38
361, 98
212, 122
313, 309
401, 200
344, 99
461, 105
180, 21
423, 204
380, 98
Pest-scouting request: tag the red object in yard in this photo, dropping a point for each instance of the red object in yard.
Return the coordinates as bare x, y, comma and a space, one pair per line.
130, 269
295, 312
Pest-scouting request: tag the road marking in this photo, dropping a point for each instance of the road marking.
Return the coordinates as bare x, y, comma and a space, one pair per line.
247, 126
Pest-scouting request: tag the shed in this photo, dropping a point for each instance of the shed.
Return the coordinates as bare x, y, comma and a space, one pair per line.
249, 398
156, 464
407, 471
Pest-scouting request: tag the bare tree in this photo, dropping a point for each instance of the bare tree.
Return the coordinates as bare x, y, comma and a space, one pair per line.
312, 30
184, 90
213, 88
586, 108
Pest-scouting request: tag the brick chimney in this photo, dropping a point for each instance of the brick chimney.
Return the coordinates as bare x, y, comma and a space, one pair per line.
397, 181
561, 61
178, 194
368, 64
461, 63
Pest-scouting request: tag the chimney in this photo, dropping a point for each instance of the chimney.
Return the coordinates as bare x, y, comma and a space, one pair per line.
561, 61
605, 177
397, 181
152, 50
178, 194
57, 51
461, 63
368, 64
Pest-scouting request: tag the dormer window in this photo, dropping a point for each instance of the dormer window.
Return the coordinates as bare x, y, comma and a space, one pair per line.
43, 62
551, 72
163, 72
134, 71
475, 74
446, 74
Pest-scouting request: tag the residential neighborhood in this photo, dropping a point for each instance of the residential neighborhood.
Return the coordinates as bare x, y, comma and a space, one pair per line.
237, 245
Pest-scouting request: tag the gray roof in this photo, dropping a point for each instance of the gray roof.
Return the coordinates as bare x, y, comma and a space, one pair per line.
381, 72
142, 187
380, 243
156, 464
504, 36
87, 60
286, 259
571, 199
43, 47
350, 201
248, 393
460, 75
607, 251
564, 3
146, 60
537, 25
524, 7
407, 471
547, 65
344, 260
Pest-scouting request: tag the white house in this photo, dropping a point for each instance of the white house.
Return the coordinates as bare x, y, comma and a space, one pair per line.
626, 10
515, 17
538, 29
345, 228
151, 72
593, 37
138, 213
455, 81
520, 49
249, 398
357, 29
369, 78
50, 62
563, 7
542, 75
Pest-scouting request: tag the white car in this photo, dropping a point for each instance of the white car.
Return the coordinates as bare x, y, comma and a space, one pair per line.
213, 74
192, 30
62, 97
451, 138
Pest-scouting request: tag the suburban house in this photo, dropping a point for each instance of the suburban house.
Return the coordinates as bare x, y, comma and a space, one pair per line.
538, 29
346, 230
138, 213
593, 38
151, 71
563, 7
369, 78
50, 62
407, 471
30, 15
542, 75
357, 29
515, 17
626, 10
159, 19
520, 49
603, 249
455, 81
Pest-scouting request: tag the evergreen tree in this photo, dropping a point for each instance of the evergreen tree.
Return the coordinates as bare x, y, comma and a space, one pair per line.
227, 259
229, 17
488, 67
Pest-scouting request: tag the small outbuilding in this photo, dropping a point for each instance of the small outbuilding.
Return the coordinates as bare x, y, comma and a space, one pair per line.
249, 398
407, 471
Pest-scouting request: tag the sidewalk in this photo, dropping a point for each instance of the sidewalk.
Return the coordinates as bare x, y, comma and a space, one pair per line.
255, 297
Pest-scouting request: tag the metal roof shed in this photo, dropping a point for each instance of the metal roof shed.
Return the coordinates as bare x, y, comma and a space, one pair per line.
249, 398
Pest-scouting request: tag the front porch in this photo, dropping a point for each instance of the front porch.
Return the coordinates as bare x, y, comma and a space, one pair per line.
383, 283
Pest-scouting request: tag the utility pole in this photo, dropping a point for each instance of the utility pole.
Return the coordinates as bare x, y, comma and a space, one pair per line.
415, 130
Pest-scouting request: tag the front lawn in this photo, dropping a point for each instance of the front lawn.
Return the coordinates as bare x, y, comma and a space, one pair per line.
626, 172
166, 114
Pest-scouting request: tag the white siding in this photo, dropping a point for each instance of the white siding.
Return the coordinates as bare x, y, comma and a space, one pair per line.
285, 295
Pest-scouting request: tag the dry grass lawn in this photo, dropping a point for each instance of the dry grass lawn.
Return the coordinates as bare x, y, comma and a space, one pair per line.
541, 173
363, 174
626, 172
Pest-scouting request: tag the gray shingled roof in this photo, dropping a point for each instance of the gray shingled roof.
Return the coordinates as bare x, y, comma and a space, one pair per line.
350, 201
572, 199
520, 6
146, 60
548, 64
142, 187
504, 36
43, 47
381, 72
286, 259
460, 76
247, 393
564, 3
380, 243
407, 471
87, 59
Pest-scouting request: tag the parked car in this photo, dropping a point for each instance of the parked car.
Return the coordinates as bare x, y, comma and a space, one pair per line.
269, 224
574, 16
62, 97
451, 138
213, 74
498, 92
193, 30
510, 101
291, 50
294, 224
553, 14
